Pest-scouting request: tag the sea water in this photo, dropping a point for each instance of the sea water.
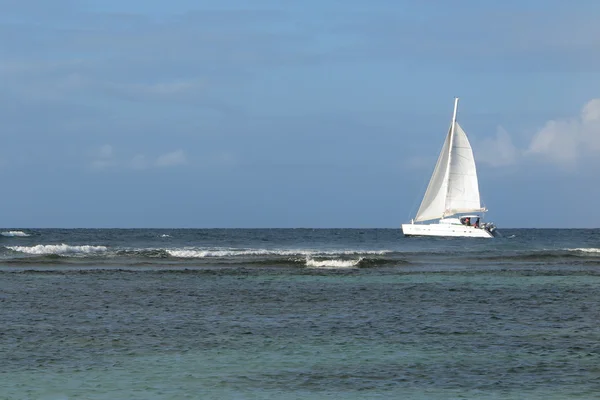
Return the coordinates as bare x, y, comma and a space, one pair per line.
298, 314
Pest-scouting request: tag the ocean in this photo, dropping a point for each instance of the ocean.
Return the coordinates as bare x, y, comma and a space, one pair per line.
298, 314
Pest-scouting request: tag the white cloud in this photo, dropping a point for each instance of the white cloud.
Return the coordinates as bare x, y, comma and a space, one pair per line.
498, 151
564, 141
223, 159
181, 89
171, 159
420, 162
105, 158
103, 164
106, 151
139, 162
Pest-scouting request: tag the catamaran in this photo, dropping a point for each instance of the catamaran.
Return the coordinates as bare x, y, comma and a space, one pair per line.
452, 196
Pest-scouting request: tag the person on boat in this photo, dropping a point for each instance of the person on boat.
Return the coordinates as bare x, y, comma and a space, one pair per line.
476, 225
467, 221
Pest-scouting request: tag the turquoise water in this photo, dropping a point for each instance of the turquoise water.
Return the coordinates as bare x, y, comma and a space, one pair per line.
414, 319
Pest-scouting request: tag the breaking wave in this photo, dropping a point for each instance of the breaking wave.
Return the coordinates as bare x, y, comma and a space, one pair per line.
15, 234
585, 250
232, 252
333, 263
96, 254
58, 249
104, 255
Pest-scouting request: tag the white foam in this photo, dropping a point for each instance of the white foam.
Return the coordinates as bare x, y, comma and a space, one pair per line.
354, 252
42, 249
202, 253
233, 252
335, 263
15, 234
165, 235
187, 253
585, 250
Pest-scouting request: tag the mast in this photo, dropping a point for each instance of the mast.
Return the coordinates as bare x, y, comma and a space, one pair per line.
451, 144
454, 114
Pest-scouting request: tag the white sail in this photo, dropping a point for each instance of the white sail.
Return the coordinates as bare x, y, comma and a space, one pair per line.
463, 188
453, 187
434, 201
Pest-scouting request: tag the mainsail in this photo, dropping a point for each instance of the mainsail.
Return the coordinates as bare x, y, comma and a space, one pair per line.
453, 187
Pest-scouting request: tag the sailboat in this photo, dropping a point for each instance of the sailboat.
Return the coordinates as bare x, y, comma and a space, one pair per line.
452, 196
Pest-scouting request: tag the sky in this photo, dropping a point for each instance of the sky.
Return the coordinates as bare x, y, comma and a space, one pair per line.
271, 113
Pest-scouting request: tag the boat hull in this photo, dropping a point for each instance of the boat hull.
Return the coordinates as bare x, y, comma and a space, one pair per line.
445, 230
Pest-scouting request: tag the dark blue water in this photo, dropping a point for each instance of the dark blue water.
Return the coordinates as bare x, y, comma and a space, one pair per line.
298, 313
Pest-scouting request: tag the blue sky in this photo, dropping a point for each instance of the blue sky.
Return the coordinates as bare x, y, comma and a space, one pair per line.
263, 113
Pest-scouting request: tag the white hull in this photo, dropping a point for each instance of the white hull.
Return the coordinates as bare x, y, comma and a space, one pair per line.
444, 230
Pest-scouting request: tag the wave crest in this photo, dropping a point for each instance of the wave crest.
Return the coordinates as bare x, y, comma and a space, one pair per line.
15, 234
59, 249
590, 250
333, 263
104, 255
233, 252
